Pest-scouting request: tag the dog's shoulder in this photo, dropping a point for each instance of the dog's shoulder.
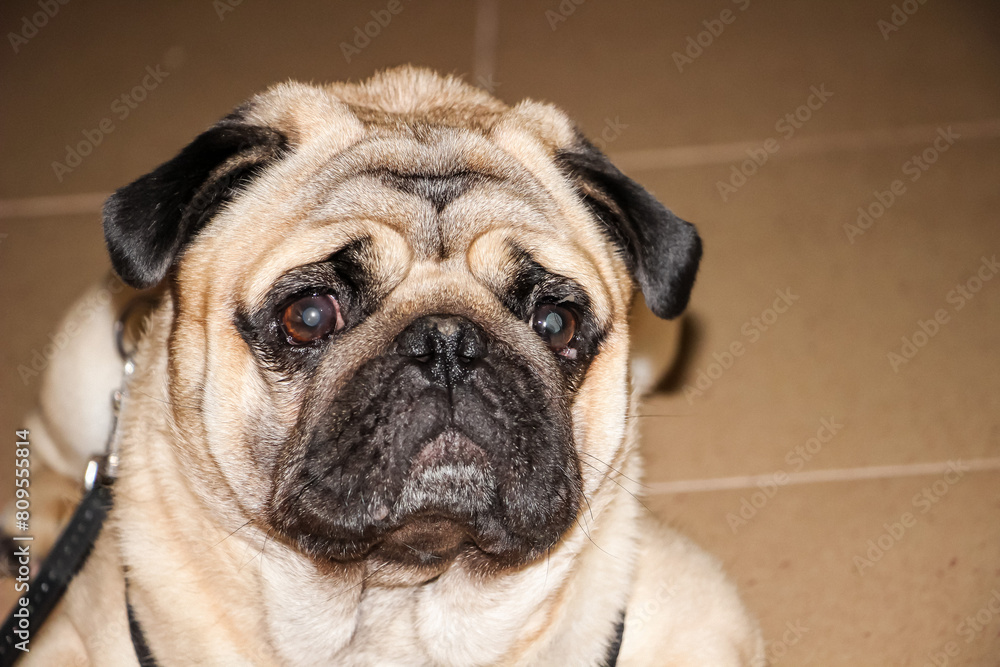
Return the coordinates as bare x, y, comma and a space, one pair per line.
683, 609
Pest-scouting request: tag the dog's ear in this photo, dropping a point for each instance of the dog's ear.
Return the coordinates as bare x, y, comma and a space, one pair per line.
148, 223
661, 250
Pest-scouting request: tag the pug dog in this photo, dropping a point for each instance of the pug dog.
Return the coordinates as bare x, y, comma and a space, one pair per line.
380, 406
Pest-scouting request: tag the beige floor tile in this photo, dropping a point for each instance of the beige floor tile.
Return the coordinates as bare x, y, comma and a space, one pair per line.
611, 60
795, 562
827, 356
72, 74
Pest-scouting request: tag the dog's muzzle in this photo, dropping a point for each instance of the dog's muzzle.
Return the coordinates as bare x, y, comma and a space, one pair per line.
447, 446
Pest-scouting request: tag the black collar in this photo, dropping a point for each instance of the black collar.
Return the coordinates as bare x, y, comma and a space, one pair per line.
142, 652
615, 647
146, 658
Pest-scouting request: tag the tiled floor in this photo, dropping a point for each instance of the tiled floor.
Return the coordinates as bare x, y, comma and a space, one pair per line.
814, 395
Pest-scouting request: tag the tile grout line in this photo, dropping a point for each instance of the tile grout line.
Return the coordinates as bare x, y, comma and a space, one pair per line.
637, 160
487, 28
856, 140
820, 476
53, 205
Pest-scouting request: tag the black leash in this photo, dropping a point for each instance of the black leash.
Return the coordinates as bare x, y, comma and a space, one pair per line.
66, 559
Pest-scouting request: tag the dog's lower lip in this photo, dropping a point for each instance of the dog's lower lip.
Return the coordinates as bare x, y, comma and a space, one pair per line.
425, 539
428, 537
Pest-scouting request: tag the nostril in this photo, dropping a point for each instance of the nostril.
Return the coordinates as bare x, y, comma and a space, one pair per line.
414, 343
471, 348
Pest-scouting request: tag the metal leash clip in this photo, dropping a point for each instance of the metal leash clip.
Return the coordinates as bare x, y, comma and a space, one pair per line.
103, 468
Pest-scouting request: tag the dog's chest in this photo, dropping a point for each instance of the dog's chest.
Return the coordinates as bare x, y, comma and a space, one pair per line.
441, 623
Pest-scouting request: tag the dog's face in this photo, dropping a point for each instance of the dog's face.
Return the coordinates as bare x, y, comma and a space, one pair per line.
399, 317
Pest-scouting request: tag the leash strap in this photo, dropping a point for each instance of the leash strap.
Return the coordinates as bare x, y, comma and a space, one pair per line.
67, 557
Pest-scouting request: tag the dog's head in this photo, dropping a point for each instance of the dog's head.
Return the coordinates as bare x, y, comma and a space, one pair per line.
399, 315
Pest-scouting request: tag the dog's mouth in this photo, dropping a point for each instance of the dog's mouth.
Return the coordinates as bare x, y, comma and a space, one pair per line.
426, 541
453, 506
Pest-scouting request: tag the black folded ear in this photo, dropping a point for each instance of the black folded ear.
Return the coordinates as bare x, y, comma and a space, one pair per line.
661, 250
148, 223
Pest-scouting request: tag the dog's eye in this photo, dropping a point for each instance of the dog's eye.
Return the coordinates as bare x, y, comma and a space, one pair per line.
555, 324
310, 318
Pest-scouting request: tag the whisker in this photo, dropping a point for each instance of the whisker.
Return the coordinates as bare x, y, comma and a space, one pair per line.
587, 500
612, 479
248, 522
610, 467
587, 533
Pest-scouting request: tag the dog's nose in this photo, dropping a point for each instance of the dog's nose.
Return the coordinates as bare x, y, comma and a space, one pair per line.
449, 346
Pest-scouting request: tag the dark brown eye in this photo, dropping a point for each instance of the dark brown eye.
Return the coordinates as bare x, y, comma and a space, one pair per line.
555, 324
311, 318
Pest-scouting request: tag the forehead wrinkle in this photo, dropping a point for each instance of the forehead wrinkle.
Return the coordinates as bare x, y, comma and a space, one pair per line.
479, 214
567, 259
314, 241
595, 281
488, 207
363, 196
445, 152
486, 204
510, 136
